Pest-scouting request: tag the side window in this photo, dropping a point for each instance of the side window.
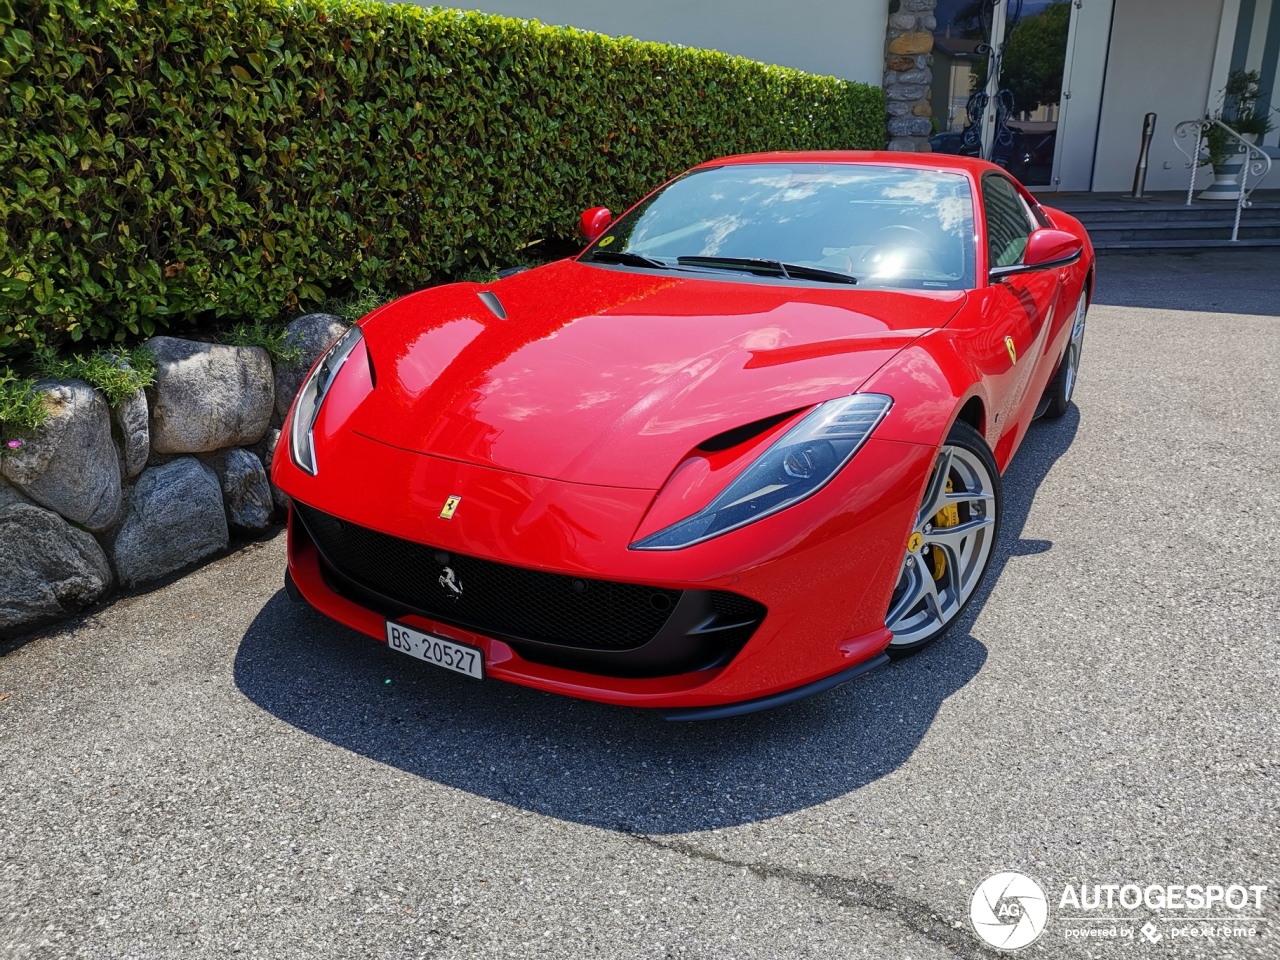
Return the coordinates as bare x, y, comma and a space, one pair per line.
1007, 223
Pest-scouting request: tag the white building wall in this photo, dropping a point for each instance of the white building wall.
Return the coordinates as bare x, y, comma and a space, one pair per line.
1161, 59
1260, 27
840, 38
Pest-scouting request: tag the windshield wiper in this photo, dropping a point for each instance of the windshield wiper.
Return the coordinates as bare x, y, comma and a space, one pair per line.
624, 257
817, 273
761, 264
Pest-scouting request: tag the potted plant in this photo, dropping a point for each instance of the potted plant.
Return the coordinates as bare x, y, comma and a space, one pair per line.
1224, 152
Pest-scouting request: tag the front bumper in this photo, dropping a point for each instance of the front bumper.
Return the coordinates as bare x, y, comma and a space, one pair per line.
824, 569
585, 624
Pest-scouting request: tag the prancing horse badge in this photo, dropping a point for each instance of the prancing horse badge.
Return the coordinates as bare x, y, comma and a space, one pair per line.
1008, 345
450, 505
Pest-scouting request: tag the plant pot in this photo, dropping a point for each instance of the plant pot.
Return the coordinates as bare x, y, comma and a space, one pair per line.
1226, 178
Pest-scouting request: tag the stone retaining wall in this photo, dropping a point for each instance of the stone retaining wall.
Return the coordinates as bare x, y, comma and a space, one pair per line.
908, 74
101, 498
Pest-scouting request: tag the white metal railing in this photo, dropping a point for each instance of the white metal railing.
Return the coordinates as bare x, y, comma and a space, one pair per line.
1256, 161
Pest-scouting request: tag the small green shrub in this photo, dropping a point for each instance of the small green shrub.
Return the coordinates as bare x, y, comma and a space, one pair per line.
273, 338
22, 410
1240, 104
356, 305
176, 159
118, 372
480, 275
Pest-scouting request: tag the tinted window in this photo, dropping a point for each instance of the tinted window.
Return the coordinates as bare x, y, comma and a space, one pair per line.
1007, 223
887, 226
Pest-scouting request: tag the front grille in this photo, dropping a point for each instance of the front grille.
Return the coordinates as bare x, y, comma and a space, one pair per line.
501, 600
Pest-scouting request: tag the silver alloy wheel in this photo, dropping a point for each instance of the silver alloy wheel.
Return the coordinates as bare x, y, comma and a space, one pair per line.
922, 603
1076, 347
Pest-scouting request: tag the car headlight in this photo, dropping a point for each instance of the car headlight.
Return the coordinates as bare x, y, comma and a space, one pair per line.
306, 408
799, 464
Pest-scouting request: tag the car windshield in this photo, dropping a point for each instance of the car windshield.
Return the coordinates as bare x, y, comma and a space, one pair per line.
884, 226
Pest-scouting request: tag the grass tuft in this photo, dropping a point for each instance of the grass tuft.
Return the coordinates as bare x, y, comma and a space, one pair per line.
276, 340
354, 306
480, 275
22, 409
118, 372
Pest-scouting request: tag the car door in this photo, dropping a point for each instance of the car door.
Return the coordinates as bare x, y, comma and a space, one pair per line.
1019, 310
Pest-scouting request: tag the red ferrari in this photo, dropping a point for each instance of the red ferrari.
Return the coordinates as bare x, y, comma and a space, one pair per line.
744, 447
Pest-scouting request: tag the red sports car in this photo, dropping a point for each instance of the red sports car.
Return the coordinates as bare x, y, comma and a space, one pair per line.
744, 447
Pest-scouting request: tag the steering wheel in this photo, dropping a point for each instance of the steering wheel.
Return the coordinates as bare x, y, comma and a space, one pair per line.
889, 236
909, 247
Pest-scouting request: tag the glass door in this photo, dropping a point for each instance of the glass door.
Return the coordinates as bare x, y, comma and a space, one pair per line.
998, 75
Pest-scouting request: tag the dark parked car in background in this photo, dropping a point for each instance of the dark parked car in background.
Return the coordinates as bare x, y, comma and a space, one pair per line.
1028, 155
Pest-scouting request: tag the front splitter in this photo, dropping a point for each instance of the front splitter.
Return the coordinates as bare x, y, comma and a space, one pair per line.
777, 699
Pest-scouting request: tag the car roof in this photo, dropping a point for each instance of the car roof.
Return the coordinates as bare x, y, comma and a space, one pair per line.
933, 161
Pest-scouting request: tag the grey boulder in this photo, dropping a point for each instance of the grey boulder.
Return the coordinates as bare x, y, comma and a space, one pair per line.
9, 495
245, 489
48, 568
265, 449
311, 334
266, 452
70, 465
208, 396
175, 518
910, 127
133, 432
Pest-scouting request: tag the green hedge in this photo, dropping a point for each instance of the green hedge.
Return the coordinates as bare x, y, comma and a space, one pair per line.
164, 160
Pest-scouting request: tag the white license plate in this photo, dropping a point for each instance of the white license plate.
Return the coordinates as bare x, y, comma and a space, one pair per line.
443, 653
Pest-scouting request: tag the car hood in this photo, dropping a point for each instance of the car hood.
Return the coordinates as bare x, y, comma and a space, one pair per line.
608, 376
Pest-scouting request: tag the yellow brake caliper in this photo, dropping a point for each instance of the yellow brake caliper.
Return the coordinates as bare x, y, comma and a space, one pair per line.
948, 516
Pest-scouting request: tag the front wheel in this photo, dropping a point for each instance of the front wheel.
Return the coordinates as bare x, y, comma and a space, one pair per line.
951, 544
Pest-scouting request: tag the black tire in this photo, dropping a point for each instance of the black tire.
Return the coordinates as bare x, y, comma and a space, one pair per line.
968, 439
1056, 402
1057, 396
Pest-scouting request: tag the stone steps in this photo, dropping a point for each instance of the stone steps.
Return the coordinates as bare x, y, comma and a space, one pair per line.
1122, 245
1193, 214
1114, 233
1170, 224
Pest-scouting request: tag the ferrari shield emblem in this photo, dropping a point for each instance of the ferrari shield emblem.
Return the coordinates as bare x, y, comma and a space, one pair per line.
1013, 351
450, 505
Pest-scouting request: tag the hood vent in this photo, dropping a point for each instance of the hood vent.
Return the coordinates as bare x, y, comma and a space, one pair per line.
490, 300
731, 438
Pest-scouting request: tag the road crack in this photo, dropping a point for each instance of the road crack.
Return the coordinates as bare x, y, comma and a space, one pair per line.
864, 894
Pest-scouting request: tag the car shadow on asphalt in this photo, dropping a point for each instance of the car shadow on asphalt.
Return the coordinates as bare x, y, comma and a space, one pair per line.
617, 768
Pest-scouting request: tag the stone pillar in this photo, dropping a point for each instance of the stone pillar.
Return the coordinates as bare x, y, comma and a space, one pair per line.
908, 74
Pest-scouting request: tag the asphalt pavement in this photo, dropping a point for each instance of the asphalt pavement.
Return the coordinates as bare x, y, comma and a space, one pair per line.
208, 770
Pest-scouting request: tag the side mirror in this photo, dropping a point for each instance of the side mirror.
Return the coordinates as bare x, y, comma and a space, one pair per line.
594, 222
1047, 249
